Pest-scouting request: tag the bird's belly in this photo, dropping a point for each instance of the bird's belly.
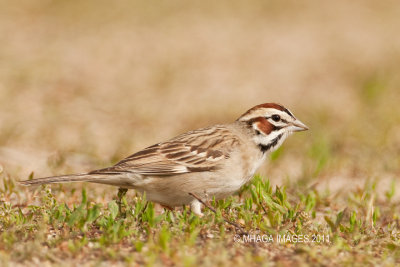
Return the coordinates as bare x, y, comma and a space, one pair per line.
174, 191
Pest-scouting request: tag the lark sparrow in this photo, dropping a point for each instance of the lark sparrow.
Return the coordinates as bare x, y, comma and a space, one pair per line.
209, 162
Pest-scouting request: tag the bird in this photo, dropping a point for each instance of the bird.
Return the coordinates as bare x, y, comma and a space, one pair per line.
211, 162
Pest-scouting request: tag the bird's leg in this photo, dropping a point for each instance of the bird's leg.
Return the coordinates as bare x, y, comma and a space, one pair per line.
195, 206
121, 195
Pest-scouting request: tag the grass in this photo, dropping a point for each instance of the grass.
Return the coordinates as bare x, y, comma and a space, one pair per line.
283, 224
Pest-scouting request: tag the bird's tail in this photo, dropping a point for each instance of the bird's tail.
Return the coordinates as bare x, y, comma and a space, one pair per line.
80, 177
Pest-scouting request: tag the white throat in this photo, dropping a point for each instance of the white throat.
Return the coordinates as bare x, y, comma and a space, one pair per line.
272, 141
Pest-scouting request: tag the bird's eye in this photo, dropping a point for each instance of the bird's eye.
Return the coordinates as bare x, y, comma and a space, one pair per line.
276, 117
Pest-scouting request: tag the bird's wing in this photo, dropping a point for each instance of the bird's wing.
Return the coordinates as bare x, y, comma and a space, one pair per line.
195, 151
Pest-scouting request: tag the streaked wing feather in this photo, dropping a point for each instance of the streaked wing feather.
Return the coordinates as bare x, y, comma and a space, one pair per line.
196, 151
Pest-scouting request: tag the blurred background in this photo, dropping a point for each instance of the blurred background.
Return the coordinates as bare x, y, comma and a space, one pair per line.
86, 83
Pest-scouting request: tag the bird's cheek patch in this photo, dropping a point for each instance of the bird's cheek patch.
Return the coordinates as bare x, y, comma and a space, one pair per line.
264, 126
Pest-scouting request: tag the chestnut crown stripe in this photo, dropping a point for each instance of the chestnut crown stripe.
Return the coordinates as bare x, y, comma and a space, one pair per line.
267, 105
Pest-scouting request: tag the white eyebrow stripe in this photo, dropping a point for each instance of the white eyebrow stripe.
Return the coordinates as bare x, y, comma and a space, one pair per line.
264, 112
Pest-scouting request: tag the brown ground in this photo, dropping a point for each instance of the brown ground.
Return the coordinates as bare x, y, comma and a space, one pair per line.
85, 83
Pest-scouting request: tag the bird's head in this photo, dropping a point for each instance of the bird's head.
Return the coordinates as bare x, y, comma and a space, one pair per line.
272, 124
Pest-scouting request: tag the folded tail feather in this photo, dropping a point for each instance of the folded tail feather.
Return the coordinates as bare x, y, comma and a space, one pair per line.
113, 179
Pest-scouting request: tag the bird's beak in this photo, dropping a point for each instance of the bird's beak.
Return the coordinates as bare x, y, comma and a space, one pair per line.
298, 126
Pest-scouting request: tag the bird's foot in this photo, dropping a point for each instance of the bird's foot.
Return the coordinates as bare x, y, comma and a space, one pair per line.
195, 206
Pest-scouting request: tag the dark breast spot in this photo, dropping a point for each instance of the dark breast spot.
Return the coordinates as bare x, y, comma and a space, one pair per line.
273, 143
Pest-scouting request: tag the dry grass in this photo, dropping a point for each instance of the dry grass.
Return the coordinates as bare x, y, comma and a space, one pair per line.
86, 83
